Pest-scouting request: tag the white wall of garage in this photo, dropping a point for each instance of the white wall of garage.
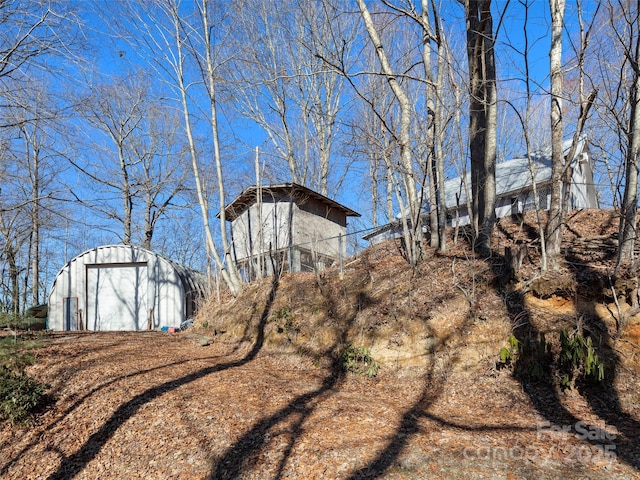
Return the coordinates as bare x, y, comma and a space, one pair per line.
122, 287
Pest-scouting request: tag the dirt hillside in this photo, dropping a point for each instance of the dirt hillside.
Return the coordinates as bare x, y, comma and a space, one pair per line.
258, 389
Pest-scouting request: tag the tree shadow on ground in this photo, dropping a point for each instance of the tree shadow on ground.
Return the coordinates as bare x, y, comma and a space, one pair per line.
408, 427
604, 399
238, 457
80, 400
410, 424
545, 393
73, 464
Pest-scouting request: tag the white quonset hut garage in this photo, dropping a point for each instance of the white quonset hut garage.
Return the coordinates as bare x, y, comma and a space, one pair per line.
122, 287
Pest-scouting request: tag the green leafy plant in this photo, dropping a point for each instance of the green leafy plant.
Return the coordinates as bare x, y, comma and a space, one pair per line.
21, 322
16, 351
286, 322
510, 353
534, 354
578, 359
358, 360
20, 395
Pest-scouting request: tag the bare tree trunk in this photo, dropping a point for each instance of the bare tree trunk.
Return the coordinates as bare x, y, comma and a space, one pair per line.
127, 200
14, 277
260, 235
35, 228
628, 218
234, 275
437, 216
373, 172
148, 224
227, 267
439, 141
389, 198
554, 224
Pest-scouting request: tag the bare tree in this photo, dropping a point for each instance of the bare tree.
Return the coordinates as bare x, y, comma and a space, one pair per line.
31, 165
561, 166
628, 218
413, 229
161, 178
611, 67
117, 109
433, 46
30, 30
138, 157
32, 34
15, 235
178, 43
482, 118
371, 140
554, 224
286, 89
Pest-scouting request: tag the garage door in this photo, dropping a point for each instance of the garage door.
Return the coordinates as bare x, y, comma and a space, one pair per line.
117, 297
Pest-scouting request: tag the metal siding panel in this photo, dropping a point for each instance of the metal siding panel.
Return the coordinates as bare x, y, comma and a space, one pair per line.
169, 292
117, 297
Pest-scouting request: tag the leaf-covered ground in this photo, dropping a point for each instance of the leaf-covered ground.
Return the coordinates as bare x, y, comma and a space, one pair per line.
256, 394
157, 405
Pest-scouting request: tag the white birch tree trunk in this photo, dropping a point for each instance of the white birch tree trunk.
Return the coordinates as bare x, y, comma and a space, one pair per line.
555, 221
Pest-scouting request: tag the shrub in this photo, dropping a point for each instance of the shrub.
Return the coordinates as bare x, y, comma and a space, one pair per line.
20, 395
578, 359
358, 360
533, 355
575, 358
22, 322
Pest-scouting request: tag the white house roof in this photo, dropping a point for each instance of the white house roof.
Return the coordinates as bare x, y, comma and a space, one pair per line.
512, 175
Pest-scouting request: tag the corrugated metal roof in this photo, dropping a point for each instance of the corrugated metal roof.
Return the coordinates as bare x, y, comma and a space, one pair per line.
162, 291
193, 281
511, 176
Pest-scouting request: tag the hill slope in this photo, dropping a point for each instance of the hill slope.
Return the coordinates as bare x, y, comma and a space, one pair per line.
449, 319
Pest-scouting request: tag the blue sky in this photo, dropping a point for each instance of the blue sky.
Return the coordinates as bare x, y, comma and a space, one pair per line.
117, 57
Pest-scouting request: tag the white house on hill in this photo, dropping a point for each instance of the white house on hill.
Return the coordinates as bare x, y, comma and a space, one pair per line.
514, 189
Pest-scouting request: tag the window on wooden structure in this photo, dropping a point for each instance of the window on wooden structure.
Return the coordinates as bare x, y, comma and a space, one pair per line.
311, 261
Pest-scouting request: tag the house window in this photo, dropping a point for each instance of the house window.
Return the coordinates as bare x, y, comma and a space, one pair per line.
528, 203
543, 193
311, 261
515, 206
